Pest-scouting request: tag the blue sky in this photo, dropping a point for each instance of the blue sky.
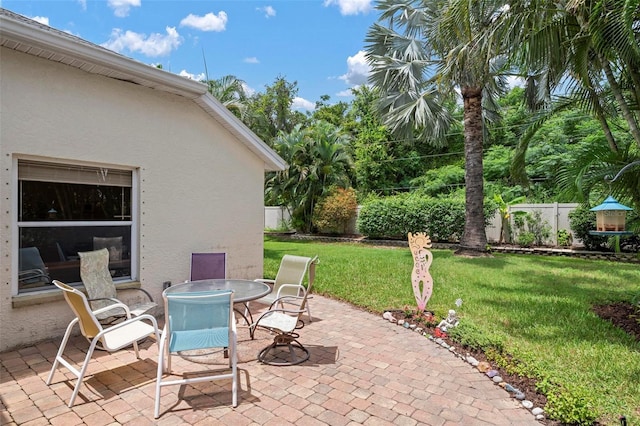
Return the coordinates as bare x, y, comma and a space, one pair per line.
317, 43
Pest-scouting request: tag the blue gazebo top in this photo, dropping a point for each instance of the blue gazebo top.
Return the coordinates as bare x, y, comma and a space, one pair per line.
610, 204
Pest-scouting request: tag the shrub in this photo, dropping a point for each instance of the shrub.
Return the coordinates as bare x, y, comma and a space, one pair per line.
469, 335
393, 217
333, 213
531, 229
582, 221
540, 228
569, 406
526, 239
564, 238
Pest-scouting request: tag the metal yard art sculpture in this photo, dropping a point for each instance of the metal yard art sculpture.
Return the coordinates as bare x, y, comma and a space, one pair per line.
422, 258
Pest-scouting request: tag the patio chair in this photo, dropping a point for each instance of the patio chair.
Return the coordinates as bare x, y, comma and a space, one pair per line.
208, 266
95, 275
289, 280
111, 339
32, 269
195, 321
112, 244
284, 323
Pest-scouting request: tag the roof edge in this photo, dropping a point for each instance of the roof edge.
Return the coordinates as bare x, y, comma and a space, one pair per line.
49, 38
20, 29
272, 161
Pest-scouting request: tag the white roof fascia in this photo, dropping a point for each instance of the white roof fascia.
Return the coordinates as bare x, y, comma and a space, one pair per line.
28, 36
49, 39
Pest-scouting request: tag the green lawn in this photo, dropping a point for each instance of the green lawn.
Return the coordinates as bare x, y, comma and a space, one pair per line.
536, 309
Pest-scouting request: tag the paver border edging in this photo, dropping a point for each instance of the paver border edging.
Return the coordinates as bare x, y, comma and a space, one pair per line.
540, 251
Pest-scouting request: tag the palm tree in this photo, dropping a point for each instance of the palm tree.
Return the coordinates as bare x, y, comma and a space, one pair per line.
426, 50
281, 188
318, 160
587, 49
590, 50
329, 164
229, 90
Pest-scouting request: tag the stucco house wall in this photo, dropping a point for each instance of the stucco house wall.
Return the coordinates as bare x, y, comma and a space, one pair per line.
199, 185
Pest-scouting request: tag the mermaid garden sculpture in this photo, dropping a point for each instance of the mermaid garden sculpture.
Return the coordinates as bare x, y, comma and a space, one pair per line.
422, 257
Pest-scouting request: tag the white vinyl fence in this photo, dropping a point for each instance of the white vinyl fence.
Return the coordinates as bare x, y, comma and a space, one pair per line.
555, 214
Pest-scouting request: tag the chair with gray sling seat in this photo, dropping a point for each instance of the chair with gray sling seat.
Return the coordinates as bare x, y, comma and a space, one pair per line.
284, 319
95, 275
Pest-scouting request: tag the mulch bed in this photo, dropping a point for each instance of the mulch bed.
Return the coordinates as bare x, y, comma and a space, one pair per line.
623, 315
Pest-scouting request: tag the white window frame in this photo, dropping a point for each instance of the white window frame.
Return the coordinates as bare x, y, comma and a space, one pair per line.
16, 225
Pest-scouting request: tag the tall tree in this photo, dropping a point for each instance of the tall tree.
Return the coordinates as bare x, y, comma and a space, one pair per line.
270, 112
331, 113
318, 159
426, 50
589, 50
229, 90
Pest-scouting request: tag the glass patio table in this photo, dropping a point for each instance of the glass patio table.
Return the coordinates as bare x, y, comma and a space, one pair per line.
243, 291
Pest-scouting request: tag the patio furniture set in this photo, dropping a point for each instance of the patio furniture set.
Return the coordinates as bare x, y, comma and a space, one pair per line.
199, 314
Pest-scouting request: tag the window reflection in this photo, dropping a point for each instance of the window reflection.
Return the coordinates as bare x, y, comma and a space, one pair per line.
67, 209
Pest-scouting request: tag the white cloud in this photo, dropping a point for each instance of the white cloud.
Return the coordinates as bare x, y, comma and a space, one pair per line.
269, 11
41, 19
208, 22
350, 7
344, 94
357, 69
154, 45
300, 103
196, 77
83, 4
251, 60
121, 8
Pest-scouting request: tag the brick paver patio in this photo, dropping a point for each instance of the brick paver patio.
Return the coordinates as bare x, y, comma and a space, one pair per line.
362, 370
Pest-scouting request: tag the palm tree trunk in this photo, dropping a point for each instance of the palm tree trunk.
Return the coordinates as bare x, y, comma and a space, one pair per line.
626, 112
474, 238
602, 120
635, 78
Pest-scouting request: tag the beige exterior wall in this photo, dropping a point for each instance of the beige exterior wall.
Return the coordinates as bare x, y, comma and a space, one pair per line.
199, 188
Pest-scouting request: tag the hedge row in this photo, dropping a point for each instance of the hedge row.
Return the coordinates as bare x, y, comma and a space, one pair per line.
393, 217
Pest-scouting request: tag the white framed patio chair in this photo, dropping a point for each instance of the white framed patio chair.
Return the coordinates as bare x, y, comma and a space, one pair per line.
114, 338
194, 321
95, 275
285, 322
289, 280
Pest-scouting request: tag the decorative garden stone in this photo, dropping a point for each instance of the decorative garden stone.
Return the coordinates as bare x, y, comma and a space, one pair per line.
537, 411
422, 258
484, 366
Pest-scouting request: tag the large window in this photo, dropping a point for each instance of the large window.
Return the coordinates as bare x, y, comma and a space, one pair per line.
64, 209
